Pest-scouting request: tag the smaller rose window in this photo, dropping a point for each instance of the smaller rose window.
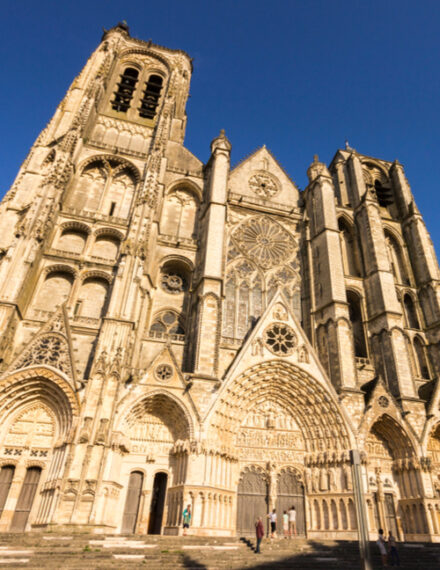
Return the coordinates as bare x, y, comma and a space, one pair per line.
173, 283
383, 402
264, 185
280, 339
163, 372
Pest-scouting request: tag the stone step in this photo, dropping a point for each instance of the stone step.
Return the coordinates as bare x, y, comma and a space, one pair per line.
76, 551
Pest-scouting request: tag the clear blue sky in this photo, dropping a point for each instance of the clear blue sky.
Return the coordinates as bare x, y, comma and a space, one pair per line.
298, 76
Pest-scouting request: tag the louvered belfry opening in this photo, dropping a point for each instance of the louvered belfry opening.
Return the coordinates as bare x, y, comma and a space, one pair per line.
126, 87
150, 99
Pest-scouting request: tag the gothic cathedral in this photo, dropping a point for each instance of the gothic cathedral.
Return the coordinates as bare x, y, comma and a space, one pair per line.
175, 333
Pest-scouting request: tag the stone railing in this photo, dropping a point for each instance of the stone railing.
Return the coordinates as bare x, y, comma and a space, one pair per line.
164, 336
94, 215
240, 199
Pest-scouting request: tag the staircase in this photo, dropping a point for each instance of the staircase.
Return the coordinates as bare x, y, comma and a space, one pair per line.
87, 552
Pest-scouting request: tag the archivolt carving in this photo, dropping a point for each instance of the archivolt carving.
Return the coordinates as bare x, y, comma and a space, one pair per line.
155, 423
30, 386
323, 427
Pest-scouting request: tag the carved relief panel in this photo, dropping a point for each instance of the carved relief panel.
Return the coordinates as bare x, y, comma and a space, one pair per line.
269, 433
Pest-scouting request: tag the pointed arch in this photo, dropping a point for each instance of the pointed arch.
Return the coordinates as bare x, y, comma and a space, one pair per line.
169, 411
396, 259
357, 324
412, 320
421, 358
292, 389
351, 255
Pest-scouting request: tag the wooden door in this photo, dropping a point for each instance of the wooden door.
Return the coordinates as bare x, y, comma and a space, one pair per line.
6, 476
390, 514
290, 492
132, 502
252, 502
157, 503
26, 499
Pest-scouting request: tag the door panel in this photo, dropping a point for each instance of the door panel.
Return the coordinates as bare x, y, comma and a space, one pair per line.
6, 476
290, 491
132, 502
251, 502
390, 513
25, 499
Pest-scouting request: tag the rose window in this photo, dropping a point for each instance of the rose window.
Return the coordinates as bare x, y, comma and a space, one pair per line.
383, 401
173, 283
280, 339
263, 185
163, 372
265, 241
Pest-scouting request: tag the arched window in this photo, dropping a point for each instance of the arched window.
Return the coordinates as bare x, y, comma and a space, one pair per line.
105, 186
350, 252
54, 291
92, 298
354, 304
106, 246
410, 312
125, 90
179, 214
384, 193
422, 361
167, 324
151, 96
72, 240
396, 260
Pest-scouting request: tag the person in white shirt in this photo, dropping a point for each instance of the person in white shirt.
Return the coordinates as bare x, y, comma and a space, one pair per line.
292, 521
273, 523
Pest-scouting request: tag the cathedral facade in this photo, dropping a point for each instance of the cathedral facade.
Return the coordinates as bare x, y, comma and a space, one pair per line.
175, 333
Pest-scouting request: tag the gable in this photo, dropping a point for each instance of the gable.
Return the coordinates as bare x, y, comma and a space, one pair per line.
260, 177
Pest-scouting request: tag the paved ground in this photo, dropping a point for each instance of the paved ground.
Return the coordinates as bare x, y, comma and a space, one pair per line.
82, 551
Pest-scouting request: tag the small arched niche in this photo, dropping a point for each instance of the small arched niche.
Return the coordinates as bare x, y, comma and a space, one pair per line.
106, 246
72, 240
175, 276
55, 290
179, 214
92, 297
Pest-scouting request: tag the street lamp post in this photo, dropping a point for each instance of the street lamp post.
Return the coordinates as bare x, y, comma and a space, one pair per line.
359, 499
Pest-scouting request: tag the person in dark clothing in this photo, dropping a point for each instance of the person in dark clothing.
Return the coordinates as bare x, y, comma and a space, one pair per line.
259, 531
393, 554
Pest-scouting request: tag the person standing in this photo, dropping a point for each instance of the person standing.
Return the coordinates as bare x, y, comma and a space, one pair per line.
292, 521
186, 517
273, 523
392, 550
285, 524
259, 531
382, 548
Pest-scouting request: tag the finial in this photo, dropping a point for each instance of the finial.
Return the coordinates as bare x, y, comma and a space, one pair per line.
315, 158
222, 133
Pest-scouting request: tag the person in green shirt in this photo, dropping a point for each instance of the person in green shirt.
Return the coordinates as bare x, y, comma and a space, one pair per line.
186, 519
